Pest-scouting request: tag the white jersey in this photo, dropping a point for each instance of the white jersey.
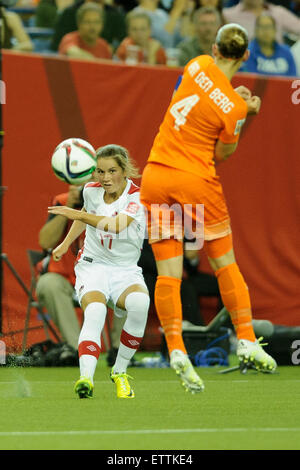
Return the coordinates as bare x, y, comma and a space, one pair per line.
124, 248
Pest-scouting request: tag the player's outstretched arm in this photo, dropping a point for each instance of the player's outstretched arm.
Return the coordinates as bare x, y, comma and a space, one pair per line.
54, 229
108, 224
75, 231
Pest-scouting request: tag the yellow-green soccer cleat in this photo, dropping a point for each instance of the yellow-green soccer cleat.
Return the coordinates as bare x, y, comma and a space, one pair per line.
183, 367
252, 353
124, 389
84, 388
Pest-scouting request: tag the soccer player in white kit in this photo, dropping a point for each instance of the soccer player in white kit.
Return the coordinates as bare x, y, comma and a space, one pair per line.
106, 269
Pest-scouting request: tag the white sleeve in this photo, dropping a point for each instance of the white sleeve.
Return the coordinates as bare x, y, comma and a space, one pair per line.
134, 207
85, 198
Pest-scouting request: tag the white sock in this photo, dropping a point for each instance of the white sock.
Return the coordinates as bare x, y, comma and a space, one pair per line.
89, 342
137, 305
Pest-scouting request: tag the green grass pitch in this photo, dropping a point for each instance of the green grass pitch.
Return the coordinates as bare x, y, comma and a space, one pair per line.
39, 410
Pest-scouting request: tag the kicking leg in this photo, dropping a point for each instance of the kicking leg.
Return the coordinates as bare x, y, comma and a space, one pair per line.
236, 299
169, 261
89, 343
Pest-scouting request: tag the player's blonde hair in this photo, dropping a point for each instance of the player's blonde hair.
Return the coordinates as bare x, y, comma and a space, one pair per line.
232, 41
122, 157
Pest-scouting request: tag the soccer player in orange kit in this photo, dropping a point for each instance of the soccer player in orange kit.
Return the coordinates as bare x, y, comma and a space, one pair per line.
201, 127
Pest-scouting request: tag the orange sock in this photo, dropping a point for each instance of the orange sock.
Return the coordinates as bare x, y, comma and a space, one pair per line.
168, 306
236, 299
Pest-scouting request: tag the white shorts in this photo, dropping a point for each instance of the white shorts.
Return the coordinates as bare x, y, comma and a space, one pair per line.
112, 281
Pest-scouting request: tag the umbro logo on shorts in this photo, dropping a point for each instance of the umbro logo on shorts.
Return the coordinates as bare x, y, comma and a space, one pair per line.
80, 289
91, 348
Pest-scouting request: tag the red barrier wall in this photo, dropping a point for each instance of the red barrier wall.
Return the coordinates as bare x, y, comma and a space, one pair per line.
51, 99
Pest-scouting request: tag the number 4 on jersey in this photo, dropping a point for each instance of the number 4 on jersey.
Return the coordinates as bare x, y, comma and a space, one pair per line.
181, 109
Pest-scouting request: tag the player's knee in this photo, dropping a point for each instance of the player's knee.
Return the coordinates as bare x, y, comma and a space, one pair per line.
137, 306
164, 250
137, 301
222, 261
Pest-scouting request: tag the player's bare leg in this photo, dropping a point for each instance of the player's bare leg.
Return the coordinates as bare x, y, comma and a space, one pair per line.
135, 301
236, 299
169, 311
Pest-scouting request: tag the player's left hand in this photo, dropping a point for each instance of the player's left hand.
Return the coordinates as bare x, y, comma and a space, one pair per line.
65, 211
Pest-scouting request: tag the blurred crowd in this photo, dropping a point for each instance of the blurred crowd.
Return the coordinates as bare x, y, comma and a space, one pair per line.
155, 32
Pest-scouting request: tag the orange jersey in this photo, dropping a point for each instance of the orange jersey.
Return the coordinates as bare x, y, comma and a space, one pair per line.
204, 109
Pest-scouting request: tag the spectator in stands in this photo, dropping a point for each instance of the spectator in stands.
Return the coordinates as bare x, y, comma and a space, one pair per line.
14, 35
295, 50
47, 11
165, 26
114, 28
207, 21
126, 5
218, 4
292, 5
246, 12
185, 21
86, 43
188, 27
267, 56
148, 50
295, 7
55, 286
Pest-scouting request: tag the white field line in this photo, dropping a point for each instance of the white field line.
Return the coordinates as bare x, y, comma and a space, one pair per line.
144, 431
140, 381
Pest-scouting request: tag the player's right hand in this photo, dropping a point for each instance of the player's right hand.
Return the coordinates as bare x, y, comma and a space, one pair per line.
254, 104
59, 251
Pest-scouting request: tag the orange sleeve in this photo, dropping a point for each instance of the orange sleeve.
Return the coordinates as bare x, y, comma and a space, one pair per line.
233, 124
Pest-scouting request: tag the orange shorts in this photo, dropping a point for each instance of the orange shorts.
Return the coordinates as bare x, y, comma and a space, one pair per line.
176, 196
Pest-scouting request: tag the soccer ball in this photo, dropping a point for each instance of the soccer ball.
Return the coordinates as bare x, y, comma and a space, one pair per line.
74, 161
